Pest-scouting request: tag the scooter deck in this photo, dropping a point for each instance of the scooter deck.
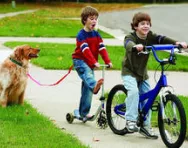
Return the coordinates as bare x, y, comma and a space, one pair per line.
84, 119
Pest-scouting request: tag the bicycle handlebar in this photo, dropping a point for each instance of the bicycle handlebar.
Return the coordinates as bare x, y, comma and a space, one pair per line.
164, 47
155, 48
105, 65
160, 47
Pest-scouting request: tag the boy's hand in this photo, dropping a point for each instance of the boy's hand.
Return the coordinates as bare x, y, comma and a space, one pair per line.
183, 44
110, 65
97, 65
139, 47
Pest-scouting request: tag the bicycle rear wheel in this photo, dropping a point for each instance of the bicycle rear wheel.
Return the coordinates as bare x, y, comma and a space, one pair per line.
116, 121
173, 127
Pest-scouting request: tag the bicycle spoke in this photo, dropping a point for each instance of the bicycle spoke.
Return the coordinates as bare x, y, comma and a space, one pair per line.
118, 120
115, 109
172, 126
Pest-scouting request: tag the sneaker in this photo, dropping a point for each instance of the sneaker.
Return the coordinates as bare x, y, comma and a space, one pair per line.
77, 114
148, 132
88, 117
131, 126
98, 86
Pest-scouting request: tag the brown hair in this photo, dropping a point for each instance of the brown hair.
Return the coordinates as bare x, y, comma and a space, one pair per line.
139, 17
88, 11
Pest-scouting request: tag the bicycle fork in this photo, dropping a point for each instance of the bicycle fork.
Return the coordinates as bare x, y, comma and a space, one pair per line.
99, 109
162, 106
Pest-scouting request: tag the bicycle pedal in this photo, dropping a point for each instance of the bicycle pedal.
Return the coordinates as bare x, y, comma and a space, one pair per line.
155, 106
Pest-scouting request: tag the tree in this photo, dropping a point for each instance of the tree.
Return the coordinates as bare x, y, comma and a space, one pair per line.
13, 4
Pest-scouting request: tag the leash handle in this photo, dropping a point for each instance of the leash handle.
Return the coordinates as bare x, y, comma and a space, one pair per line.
56, 83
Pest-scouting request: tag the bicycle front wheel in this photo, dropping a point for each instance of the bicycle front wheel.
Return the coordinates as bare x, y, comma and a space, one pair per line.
115, 109
173, 127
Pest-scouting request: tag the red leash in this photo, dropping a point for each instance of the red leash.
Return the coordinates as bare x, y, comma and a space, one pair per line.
53, 83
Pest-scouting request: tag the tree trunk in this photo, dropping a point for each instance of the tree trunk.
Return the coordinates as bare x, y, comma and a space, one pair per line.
13, 4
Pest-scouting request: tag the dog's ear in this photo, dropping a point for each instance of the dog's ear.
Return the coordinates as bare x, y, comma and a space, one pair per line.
18, 53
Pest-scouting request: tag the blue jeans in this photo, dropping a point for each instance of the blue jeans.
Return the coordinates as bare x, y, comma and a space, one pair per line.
134, 89
88, 84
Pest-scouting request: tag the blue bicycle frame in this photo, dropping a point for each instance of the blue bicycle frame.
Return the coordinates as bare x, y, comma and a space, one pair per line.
162, 82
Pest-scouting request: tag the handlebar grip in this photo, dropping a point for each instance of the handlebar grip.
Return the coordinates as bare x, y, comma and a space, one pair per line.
180, 47
144, 49
105, 65
134, 49
108, 66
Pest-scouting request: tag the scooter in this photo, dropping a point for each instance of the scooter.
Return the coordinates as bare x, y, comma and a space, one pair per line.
100, 114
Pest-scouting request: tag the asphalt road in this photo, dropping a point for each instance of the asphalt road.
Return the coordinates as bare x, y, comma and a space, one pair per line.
168, 20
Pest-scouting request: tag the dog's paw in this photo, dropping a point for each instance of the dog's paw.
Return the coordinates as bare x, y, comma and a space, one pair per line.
3, 104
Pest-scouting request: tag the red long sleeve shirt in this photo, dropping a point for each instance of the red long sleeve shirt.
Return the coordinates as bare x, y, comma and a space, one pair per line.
88, 46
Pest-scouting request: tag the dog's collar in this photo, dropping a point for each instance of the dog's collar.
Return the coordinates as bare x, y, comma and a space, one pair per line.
16, 62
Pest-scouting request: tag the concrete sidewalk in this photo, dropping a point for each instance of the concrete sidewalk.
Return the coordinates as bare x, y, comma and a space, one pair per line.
115, 42
16, 13
56, 102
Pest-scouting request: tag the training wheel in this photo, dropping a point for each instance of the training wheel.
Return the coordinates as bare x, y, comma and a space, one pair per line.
69, 118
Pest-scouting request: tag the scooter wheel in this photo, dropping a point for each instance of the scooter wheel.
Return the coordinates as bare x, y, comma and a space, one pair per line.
102, 120
70, 118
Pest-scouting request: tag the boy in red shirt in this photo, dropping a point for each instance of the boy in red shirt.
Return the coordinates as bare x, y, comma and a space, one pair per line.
89, 45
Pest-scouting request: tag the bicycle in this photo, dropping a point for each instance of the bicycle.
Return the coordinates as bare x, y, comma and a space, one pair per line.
100, 112
171, 114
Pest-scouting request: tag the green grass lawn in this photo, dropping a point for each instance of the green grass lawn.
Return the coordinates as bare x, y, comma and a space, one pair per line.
184, 100
58, 56
43, 23
23, 126
6, 8
51, 19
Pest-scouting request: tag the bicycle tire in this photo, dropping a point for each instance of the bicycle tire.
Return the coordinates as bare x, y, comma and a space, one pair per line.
171, 121
113, 95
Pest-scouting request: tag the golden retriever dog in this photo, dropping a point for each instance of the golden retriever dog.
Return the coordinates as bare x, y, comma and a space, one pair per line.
13, 75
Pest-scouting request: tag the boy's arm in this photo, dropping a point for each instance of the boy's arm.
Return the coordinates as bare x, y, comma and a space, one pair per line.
103, 52
129, 43
168, 40
160, 39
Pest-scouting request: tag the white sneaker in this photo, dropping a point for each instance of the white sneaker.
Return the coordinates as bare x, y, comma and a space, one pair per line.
148, 132
131, 126
88, 117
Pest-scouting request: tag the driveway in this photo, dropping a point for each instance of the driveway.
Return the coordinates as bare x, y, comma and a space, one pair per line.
169, 20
